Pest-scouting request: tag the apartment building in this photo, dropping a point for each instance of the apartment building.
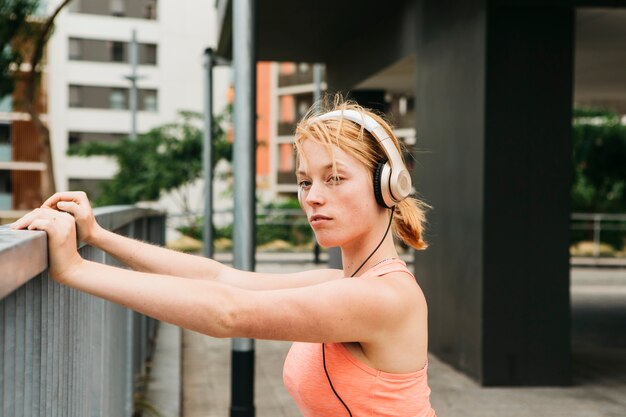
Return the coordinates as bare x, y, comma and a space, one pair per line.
88, 69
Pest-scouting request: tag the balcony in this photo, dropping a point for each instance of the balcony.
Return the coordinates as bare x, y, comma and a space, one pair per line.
64, 352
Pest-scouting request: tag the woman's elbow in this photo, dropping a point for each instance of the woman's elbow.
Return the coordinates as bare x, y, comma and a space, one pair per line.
231, 321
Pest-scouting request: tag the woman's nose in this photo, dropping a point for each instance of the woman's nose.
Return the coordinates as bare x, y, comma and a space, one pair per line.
315, 195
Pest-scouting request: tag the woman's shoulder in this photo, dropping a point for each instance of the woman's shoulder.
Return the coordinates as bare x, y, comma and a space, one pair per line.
396, 276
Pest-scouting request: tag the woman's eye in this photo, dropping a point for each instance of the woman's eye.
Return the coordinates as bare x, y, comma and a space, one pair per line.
334, 179
304, 184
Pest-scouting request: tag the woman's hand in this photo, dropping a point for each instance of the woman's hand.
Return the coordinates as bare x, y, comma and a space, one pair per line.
63, 257
77, 204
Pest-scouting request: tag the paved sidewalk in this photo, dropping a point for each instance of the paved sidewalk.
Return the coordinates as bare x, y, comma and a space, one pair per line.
599, 301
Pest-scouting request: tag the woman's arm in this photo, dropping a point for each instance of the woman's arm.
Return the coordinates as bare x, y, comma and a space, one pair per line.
145, 257
341, 310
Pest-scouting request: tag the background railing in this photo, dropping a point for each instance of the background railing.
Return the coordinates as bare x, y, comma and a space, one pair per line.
600, 228
63, 352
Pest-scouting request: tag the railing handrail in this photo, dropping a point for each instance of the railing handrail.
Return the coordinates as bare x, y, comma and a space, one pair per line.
599, 216
24, 255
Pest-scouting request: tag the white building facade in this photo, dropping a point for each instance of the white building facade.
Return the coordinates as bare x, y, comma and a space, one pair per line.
88, 93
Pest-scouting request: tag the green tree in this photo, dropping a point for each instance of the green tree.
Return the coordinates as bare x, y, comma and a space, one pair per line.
599, 162
166, 158
23, 38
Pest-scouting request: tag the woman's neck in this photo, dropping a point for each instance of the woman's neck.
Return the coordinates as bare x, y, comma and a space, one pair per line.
353, 256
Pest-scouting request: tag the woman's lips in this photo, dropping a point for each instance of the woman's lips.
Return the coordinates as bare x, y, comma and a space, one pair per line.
318, 219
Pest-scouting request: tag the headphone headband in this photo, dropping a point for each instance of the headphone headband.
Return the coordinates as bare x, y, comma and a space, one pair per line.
394, 179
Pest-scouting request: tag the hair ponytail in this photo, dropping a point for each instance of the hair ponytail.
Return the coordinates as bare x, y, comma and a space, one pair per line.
408, 222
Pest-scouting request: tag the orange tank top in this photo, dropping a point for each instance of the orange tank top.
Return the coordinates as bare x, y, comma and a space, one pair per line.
368, 392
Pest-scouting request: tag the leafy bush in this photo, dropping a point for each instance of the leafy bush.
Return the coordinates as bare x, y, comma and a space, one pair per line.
163, 159
271, 227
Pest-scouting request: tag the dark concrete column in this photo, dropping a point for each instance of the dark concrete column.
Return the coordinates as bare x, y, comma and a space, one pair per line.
493, 104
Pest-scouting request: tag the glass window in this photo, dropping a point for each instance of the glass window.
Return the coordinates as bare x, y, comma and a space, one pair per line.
150, 10
74, 138
83, 137
75, 48
76, 99
5, 134
150, 101
117, 7
117, 99
148, 54
138, 9
5, 142
286, 164
5, 181
117, 51
6, 103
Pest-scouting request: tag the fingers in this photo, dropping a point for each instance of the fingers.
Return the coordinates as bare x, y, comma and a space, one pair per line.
53, 222
40, 224
73, 196
25, 220
69, 207
37, 214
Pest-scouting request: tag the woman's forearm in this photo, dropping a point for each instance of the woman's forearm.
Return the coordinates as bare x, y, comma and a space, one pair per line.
199, 305
145, 257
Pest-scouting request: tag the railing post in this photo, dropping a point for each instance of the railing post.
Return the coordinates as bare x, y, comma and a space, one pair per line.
597, 218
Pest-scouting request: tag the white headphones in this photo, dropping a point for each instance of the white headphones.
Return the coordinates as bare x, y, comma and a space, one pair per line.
392, 181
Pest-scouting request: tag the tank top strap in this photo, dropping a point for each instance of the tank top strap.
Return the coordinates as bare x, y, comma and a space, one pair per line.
388, 266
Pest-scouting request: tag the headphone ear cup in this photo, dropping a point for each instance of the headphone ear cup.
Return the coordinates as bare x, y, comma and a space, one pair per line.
378, 192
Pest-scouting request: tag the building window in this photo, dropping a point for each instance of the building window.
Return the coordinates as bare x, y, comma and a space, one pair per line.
117, 99
5, 142
148, 54
117, 51
150, 100
75, 138
286, 164
75, 49
93, 187
76, 96
137, 9
117, 7
6, 103
6, 195
150, 10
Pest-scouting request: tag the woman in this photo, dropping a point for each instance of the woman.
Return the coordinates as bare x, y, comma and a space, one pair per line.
360, 333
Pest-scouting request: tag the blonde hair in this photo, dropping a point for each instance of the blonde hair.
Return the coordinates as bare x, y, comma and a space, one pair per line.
409, 216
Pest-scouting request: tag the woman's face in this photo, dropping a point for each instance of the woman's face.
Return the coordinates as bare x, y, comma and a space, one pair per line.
340, 206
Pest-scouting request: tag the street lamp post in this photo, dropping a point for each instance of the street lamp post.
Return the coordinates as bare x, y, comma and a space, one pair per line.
133, 60
132, 97
210, 60
244, 161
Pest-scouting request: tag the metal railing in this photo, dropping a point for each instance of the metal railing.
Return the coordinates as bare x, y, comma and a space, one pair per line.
63, 352
594, 224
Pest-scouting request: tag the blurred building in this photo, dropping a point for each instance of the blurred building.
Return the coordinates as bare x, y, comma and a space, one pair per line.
88, 58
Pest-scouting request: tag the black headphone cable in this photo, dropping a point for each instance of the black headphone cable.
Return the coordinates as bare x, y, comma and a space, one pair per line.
351, 276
